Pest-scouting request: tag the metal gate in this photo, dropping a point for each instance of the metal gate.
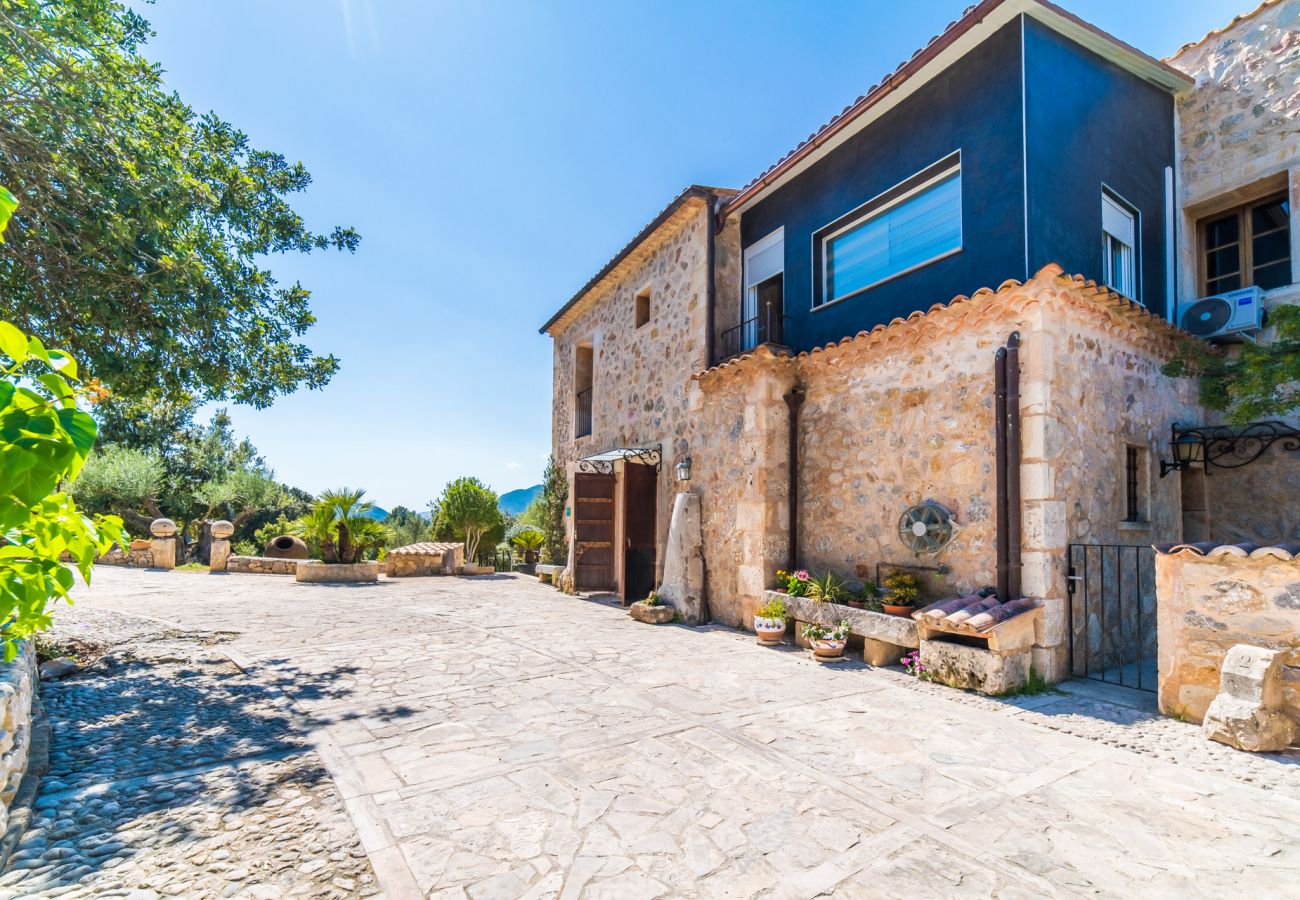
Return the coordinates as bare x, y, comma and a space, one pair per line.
1112, 613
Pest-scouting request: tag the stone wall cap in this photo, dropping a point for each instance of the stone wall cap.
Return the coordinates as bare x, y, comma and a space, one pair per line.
425, 548
941, 317
1285, 551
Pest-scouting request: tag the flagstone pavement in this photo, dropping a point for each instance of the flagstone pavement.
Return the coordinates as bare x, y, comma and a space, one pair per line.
491, 737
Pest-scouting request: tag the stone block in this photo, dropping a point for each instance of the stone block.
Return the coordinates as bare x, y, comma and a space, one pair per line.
162, 550
895, 630
1044, 524
1050, 627
974, 668
1247, 712
1040, 570
881, 653
652, 614
218, 555
1036, 480
1051, 663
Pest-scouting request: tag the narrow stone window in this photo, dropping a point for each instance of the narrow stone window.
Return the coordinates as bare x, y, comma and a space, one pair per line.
583, 381
643, 307
1134, 484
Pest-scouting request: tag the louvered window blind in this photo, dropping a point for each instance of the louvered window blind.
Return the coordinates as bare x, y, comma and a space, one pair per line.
909, 234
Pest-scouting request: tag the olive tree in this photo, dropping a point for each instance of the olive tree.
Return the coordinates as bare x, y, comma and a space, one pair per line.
469, 509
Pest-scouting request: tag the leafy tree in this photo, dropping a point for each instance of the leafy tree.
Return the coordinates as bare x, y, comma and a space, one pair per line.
239, 494
468, 512
408, 526
44, 443
554, 496
124, 481
142, 224
1258, 380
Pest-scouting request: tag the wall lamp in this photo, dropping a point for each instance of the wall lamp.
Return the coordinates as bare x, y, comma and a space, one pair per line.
1188, 448
684, 470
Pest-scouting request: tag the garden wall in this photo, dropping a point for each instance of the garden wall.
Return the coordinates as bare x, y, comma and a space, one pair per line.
138, 559
261, 565
1211, 602
17, 687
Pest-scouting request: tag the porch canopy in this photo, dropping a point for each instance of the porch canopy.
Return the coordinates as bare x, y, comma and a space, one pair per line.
603, 463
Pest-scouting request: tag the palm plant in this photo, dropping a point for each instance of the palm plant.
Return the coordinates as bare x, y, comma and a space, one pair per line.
529, 541
338, 521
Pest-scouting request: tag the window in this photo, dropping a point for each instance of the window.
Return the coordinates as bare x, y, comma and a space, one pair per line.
908, 226
1247, 246
1119, 238
583, 378
1135, 483
643, 307
762, 308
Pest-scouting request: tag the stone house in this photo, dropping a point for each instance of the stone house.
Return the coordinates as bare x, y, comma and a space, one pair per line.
813, 355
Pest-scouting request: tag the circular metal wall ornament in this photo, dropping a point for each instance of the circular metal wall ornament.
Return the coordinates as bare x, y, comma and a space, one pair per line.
925, 528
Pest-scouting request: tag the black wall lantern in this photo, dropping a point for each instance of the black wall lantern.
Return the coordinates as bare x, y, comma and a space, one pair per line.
1226, 446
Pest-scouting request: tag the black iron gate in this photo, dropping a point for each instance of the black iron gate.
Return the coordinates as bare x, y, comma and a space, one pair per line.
1112, 613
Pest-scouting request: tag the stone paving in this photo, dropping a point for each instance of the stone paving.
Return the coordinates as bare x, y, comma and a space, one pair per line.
491, 737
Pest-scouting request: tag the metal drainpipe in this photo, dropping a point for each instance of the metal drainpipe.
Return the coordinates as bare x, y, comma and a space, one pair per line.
1000, 467
1013, 451
794, 400
710, 289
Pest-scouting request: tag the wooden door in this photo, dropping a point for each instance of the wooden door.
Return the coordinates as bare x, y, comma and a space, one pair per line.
640, 490
593, 532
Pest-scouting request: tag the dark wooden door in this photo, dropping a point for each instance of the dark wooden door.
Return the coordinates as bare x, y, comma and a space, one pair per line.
639, 495
593, 532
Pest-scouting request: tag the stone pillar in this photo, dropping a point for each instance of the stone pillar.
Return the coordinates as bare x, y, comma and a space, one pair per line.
219, 550
163, 545
1043, 532
683, 582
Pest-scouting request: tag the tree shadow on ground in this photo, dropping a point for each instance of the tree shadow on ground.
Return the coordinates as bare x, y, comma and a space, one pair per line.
157, 747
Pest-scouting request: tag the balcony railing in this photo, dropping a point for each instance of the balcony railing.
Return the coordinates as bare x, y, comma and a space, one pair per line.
582, 414
768, 327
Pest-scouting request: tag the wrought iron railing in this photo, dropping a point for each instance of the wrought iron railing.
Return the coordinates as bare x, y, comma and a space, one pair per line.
768, 327
582, 414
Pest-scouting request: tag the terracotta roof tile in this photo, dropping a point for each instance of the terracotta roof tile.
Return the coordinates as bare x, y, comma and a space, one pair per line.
424, 548
1286, 550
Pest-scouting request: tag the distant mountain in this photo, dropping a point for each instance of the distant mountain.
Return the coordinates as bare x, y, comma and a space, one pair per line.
378, 513
515, 502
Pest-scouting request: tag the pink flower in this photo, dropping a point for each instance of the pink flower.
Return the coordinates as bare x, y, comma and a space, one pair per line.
802, 574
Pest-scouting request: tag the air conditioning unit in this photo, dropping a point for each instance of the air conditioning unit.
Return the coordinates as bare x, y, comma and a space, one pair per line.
1222, 315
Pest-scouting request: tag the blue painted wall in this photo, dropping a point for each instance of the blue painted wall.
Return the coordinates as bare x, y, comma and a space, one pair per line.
1090, 123
973, 107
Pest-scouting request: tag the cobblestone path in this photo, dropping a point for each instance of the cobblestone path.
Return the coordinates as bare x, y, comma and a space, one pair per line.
490, 737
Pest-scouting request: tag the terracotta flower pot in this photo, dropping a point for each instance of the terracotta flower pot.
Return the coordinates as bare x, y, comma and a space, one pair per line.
856, 604
770, 631
898, 610
827, 649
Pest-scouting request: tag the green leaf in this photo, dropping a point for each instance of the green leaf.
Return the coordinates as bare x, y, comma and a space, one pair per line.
13, 343
8, 203
80, 427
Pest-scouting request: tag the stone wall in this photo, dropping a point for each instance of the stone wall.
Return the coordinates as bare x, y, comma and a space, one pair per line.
139, 559
1210, 603
641, 376
1272, 515
261, 565
17, 687
1239, 127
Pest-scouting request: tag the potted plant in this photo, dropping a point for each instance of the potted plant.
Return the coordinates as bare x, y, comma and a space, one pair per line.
865, 596
827, 641
794, 583
340, 523
769, 621
826, 589
902, 590
529, 541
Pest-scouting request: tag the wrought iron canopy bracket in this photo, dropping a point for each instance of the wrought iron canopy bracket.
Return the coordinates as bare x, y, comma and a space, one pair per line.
603, 463
1228, 446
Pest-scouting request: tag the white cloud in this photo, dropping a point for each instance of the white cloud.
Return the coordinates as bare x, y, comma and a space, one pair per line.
514, 466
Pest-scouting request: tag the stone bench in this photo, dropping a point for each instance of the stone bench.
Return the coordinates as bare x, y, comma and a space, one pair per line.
885, 638
548, 574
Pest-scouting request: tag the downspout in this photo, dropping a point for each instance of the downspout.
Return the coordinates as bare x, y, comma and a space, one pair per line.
794, 400
1013, 452
1000, 468
710, 288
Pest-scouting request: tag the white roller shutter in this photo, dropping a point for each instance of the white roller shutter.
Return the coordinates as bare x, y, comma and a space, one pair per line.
1116, 221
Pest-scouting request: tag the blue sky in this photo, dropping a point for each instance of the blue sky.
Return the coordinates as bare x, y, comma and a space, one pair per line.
493, 156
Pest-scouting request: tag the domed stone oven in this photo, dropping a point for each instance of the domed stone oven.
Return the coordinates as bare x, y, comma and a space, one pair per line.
286, 546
